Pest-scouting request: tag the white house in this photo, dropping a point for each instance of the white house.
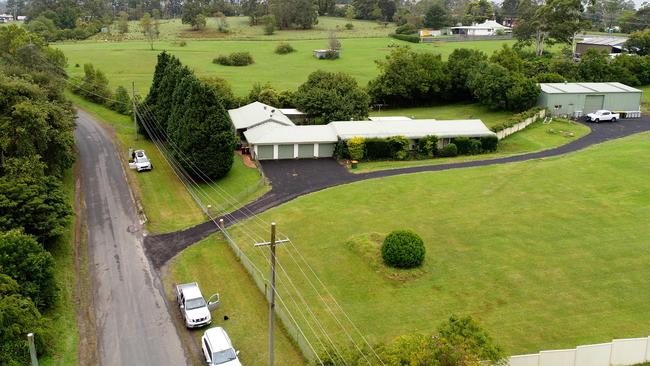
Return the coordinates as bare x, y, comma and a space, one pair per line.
487, 28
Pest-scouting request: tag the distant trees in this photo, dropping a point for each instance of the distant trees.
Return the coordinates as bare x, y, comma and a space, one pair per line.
499, 88
191, 118
294, 13
149, 27
374, 9
462, 63
327, 96
193, 13
123, 23
639, 42
437, 17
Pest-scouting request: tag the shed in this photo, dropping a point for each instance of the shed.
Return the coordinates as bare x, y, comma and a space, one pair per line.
577, 99
611, 45
291, 142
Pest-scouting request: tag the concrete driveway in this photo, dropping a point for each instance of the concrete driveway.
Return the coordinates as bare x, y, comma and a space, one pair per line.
134, 327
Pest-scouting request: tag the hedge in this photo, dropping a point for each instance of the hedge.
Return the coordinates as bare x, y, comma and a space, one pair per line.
489, 143
517, 118
377, 148
450, 150
406, 37
234, 59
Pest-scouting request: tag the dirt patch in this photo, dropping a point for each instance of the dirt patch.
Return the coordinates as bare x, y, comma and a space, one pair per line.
83, 297
246, 158
368, 247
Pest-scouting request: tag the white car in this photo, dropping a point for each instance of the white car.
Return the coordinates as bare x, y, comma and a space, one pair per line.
603, 115
194, 308
218, 349
141, 161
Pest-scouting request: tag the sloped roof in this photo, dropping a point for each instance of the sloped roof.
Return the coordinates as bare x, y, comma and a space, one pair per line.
275, 134
605, 41
257, 113
488, 24
389, 118
586, 88
412, 129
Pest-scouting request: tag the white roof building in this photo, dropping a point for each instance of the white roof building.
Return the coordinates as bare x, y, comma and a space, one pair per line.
411, 129
274, 134
389, 118
487, 28
574, 88
256, 114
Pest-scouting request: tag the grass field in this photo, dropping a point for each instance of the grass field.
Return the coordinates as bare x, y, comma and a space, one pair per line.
535, 137
242, 302
546, 254
645, 99
124, 62
167, 203
449, 111
240, 29
63, 315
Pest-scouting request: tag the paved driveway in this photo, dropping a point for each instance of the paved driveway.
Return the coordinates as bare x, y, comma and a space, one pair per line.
293, 178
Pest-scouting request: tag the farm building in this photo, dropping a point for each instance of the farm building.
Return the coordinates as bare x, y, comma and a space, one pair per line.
578, 99
275, 141
487, 28
611, 45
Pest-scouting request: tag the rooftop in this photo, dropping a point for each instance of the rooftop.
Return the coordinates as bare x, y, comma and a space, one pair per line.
488, 24
577, 88
274, 134
389, 118
255, 114
605, 41
412, 129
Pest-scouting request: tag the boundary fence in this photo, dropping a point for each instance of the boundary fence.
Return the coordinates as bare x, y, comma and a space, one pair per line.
521, 125
618, 352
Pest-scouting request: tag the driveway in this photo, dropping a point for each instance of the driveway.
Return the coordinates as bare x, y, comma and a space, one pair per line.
294, 178
133, 324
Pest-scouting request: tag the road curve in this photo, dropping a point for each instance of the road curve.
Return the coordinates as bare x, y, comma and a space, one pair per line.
293, 178
134, 326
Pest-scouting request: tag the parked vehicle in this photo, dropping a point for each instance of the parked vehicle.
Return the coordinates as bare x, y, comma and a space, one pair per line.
141, 161
603, 115
217, 348
195, 310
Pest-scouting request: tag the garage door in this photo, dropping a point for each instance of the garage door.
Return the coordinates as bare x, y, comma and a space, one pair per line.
306, 151
325, 150
285, 151
593, 103
264, 152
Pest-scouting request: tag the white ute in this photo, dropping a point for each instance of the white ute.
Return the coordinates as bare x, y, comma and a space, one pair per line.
196, 312
218, 349
141, 161
603, 115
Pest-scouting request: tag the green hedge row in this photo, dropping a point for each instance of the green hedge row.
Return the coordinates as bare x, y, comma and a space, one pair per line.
406, 37
517, 118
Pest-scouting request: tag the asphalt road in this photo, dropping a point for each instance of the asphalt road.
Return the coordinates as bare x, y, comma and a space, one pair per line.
134, 326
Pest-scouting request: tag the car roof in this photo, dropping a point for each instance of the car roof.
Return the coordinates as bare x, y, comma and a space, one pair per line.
218, 339
192, 292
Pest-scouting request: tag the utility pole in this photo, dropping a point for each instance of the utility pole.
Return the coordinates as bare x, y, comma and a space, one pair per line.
272, 244
32, 349
135, 118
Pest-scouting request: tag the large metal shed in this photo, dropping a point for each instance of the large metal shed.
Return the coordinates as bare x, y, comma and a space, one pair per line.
578, 99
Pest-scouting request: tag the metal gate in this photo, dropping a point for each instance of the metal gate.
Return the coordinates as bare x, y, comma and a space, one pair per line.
593, 103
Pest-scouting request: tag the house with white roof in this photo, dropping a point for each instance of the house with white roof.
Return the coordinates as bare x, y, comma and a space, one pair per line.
487, 28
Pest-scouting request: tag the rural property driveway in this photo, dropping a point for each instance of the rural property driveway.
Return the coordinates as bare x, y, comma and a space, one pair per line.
294, 178
133, 324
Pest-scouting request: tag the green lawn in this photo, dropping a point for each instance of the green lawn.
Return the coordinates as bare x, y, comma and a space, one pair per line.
63, 314
535, 137
645, 99
124, 62
213, 265
167, 203
173, 29
449, 111
547, 254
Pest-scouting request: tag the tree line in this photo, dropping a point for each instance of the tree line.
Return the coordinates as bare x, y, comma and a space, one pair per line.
36, 149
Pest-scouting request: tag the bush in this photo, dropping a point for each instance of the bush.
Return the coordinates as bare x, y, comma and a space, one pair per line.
399, 147
403, 249
356, 146
341, 150
406, 37
269, 24
377, 148
517, 118
474, 147
462, 145
489, 143
331, 55
284, 48
349, 26
450, 150
428, 146
122, 103
182, 44
234, 59
406, 29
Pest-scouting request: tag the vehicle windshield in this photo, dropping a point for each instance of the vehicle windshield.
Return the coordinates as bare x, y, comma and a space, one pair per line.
194, 303
223, 356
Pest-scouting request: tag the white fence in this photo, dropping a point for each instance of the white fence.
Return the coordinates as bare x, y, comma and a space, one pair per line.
619, 352
521, 125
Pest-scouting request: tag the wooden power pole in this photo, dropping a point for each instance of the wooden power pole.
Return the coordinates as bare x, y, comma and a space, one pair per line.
272, 244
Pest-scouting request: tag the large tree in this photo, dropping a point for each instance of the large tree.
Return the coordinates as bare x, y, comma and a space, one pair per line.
200, 130
500, 89
150, 29
639, 42
327, 96
407, 78
192, 11
437, 16
294, 13
462, 62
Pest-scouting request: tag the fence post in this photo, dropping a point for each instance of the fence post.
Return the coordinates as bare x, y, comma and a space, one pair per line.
32, 349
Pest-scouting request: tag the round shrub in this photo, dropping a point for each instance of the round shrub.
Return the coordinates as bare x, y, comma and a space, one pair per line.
349, 26
403, 249
234, 59
450, 150
489, 143
284, 48
474, 147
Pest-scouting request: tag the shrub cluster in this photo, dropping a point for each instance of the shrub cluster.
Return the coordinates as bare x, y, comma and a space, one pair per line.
284, 48
234, 59
449, 151
403, 249
93, 86
428, 146
396, 147
413, 38
406, 29
330, 55
517, 118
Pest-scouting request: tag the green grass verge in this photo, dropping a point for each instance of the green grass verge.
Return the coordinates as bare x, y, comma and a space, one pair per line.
173, 29
63, 314
535, 137
167, 203
645, 99
546, 254
358, 56
214, 266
